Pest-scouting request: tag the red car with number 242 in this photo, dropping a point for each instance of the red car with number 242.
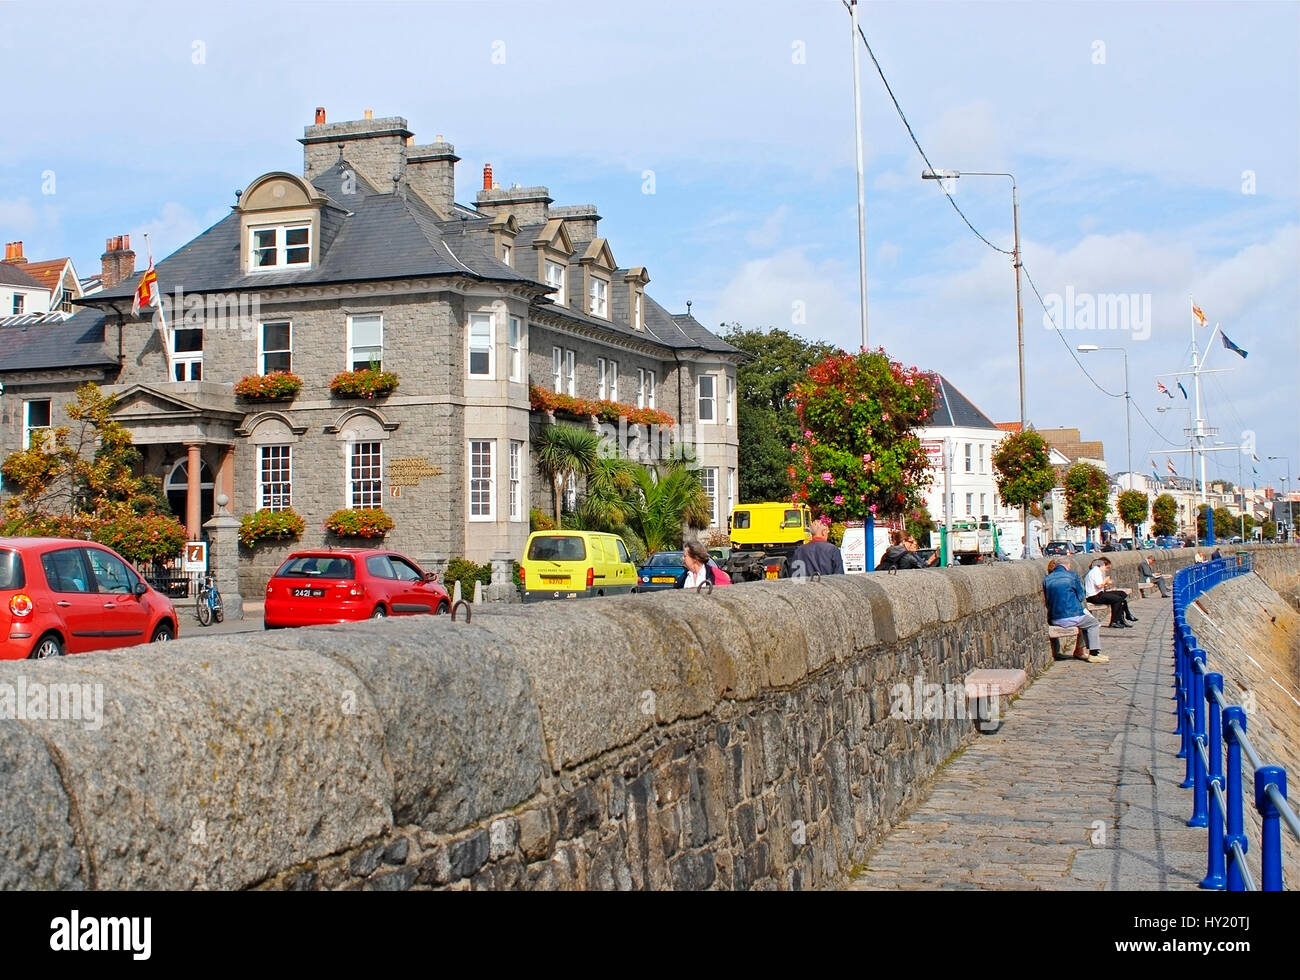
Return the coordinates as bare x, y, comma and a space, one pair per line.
338, 585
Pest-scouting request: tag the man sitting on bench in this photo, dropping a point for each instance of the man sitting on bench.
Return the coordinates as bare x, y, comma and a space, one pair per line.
1063, 593
1148, 573
1098, 587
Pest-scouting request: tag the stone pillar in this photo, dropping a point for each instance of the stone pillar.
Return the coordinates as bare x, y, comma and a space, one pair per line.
502, 588
226, 476
223, 557
193, 495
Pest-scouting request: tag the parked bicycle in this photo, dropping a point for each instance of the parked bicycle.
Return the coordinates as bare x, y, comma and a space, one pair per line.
208, 605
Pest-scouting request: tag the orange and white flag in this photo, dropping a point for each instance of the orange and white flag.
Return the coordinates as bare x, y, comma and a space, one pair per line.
1200, 317
146, 293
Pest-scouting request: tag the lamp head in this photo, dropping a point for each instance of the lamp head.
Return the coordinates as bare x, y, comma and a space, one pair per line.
1087, 348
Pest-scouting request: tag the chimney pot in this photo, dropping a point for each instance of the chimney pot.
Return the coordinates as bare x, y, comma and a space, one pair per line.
126, 242
320, 115
438, 138
496, 185
370, 113
487, 176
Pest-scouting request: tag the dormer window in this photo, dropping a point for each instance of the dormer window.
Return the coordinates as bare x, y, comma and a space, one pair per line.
280, 247
598, 298
505, 254
555, 279
636, 312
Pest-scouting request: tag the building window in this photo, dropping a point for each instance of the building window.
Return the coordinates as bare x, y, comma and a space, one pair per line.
570, 359
555, 279
706, 398
968, 465
516, 480
275, 347
19, 300
187, 354
557, 368
731, 400
640, 387
480, 345
649, 389
365, 479
279, 247
981, 456
65, 301
600, 378
607, 385
274, 474
365, 342
709, 480
636, 311
505, 253
970, 504
481, 465
731, 489
514, 339
599, 305
983, 512
36, 422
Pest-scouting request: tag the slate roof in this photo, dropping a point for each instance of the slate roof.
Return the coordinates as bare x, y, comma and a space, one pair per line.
14, 275
955, 409
76, 342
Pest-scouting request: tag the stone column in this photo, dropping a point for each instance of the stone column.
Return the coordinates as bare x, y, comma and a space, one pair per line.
223, 557
193, 495
502, 588
226, 476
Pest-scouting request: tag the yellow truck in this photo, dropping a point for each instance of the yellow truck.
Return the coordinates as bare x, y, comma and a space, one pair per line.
763, 536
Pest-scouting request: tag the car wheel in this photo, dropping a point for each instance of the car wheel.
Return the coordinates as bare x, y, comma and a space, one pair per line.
442, 609
163, 633
49, 646
379, 613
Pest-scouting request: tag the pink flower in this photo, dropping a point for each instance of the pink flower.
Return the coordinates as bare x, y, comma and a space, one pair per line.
866, 457
839, 499
807, 433
827, 478
884, 417
872, 508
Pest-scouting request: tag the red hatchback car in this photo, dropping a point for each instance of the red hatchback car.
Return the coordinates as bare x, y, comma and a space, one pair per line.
338, 585
61, 595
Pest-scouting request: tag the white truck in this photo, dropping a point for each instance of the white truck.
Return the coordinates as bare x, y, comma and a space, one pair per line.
970, 542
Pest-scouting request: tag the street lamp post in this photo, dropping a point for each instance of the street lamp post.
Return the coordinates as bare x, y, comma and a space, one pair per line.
1290, 520
1128, 405
932, 174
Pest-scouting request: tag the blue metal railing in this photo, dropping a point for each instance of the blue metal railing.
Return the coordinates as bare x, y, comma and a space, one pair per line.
1205, 723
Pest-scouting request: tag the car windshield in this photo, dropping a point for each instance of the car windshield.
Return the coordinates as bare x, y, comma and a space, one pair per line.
557, 548
665, 558
11, 570
317, 566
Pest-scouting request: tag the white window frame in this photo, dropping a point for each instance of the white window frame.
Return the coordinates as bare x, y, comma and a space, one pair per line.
557, 368
731, 400
355, 491
281, 246
613, 381
19, 304
267, 497
636, 311
491, 345
515, 344
556, 274
970, 505
709, 481
712, 400
640, 387
650, 389
505, 254
351, 349
261, 345
516, 480
570, 372
600, 379
185, 362
731, 489
28, 428
981, 456
491, 502
968, 461
983, 498
598, 298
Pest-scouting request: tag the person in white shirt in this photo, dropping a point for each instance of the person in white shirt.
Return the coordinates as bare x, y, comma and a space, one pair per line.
1096, 585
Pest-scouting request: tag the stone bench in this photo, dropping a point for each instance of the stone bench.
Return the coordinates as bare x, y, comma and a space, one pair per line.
985, 690
1146, 587
1058, 633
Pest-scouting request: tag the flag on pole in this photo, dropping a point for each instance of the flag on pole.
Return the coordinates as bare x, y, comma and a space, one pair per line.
1160, 387
1169, 464
1196, 312
146, 293
1230, 345
1182, 389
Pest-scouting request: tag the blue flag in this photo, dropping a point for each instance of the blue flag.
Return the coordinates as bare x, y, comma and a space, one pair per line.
1230, 345
1182, 389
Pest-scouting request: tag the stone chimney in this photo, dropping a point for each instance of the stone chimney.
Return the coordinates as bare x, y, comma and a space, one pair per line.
529, 205
375, 147
14, 253
579, 219
118, 261
431, 173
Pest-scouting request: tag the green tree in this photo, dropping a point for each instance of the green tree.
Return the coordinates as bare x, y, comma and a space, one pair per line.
919, 523
768, 424
1023, 466
858, 451
1087, 490
564, 452
1134, 506
1226, 523
1164, 514
1268, 530
667, 499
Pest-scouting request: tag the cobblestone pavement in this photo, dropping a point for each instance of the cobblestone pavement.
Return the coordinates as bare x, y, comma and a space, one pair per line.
1078, 790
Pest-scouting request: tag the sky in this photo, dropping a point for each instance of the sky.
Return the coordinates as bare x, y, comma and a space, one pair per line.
1154, 147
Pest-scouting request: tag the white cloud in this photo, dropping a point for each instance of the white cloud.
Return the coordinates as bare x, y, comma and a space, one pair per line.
767, 234
17, 216
787, 290
174, 227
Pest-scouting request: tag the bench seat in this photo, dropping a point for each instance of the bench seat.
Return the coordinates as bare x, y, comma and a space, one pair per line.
985, 689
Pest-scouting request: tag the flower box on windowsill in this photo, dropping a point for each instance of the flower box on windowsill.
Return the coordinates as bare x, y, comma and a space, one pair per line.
359, 522
278, 386
366, 383
270, 525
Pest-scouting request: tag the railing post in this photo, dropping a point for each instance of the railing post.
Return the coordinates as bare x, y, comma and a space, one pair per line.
1216, 869
1199, 817
1188, 708
1270, 844
1234, 728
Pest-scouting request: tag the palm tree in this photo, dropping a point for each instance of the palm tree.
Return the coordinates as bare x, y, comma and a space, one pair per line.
565, 451
666, 499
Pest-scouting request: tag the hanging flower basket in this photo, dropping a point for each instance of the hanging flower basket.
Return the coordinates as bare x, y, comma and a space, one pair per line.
270, 525
366, 383
359, 522
278, 386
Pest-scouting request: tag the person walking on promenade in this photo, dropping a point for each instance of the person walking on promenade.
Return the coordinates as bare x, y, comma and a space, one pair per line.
1063, 594
1098, 589
818, 556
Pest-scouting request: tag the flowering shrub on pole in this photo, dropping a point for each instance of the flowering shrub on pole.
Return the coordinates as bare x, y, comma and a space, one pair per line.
858, 454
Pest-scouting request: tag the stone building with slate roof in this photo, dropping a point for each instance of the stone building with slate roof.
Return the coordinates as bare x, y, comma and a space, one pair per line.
367, 258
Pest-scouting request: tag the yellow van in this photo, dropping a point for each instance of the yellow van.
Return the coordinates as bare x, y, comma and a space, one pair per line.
575, 565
